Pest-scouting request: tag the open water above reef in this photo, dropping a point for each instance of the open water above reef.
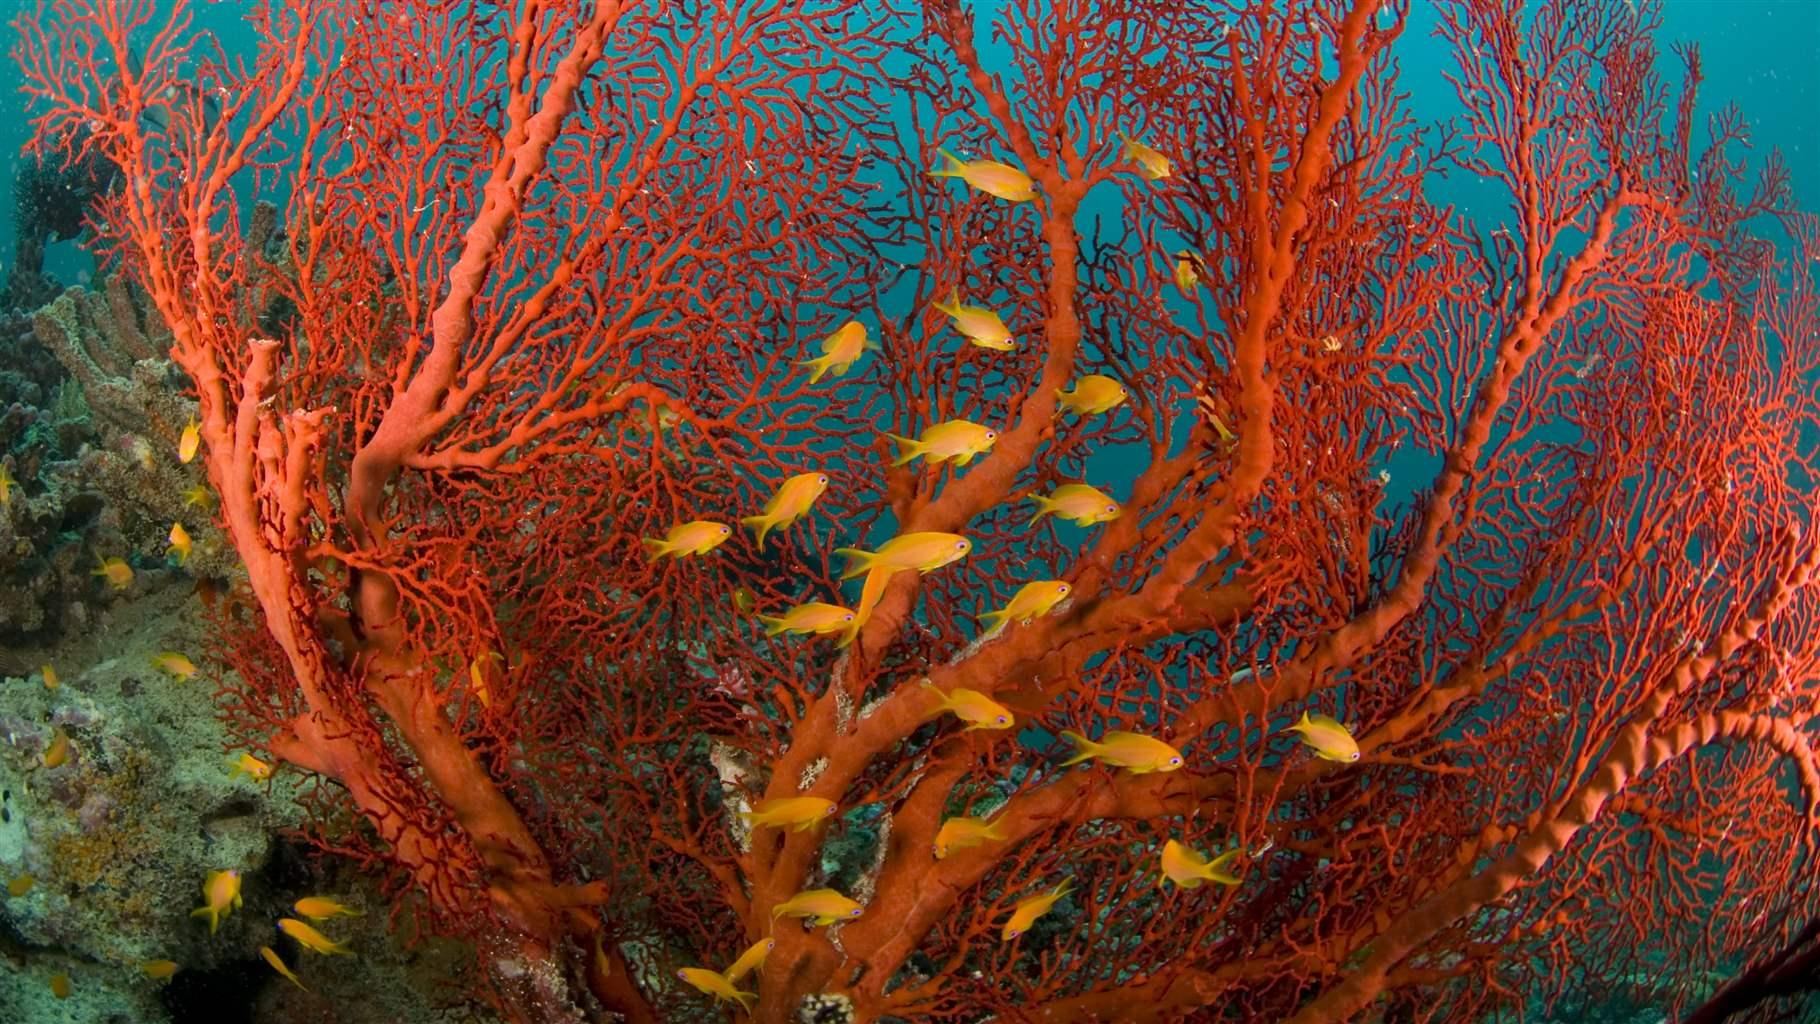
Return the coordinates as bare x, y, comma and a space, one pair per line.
105, 855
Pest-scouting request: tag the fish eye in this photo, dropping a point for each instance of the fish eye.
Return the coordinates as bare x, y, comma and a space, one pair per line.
1001, 718
682, 975
855, 913
1112, 508
1063, 589
990, 435
1015, 932
821, 479
1354, 757
770, 943
1175, 760
962, 545
723, 529
849, 617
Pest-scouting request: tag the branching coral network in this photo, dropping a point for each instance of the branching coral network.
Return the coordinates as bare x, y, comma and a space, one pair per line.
1428, 590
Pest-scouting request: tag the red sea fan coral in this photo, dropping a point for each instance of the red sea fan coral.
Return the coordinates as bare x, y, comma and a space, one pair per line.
1523, 504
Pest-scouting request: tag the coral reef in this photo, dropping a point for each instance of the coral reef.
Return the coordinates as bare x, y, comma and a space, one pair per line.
92, 453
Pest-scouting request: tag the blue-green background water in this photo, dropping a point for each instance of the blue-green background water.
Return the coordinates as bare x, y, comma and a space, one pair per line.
1763, 55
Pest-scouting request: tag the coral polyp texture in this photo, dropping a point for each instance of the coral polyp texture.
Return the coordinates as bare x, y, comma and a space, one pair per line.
1427, 601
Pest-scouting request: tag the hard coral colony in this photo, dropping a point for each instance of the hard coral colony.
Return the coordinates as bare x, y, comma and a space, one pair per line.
596, 282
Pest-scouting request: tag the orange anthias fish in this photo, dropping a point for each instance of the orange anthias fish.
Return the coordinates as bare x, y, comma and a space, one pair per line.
791, 502
180, 543
60, 985
173, 664
924, 552
825, 906
696, 537
1032, 602
250, 766
989, 176
118, 574
801, 812
1186, 277
6, 487
198, 496
220, 894
717, 985
57, 753
188, 442
811, 617
1150, 163
840, 351
321, 908
956, 440
1078, 503
1030, 908
1188, 869
980, 325
751, 960
1331, 740
1093, 394
19, 886
278, 965
957, 834
1135, 752
972, 707
158, 970
51, 682
309, 938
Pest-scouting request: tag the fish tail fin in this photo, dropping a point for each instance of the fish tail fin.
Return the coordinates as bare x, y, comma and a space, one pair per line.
951, 306
657, 548
749, 1000
1216, 868
773, 625
995, 829
908, 448
1301, 724
1044, 506
211, 914
1063, 889
859, 562
762, 524
1084, 748
820, 365
995, 620
943, 701
951, 166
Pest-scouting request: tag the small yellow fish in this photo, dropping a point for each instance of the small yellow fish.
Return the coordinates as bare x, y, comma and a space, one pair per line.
118, 574
716, 984
924, 552
792, 501
1031, 602
278, 965
696, 537
158, 970
824, 905
20, 886
1188, 869
180, 543
60, 985
1151, 164
142, 451
978, 324
6, 487
1078, 503
173, 664
1186, 278
972, 707
957, 440
744, 600
751, 960
782, 812
198, 496
250, 766
1093, 394
957, 834
989, 176
309, 938
840, 351
1211, 410
1329, 739
811, 617
58, 752
1030, 908
1132, 751
188, 442
321, 908
220, 895
51, 681
477, 677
